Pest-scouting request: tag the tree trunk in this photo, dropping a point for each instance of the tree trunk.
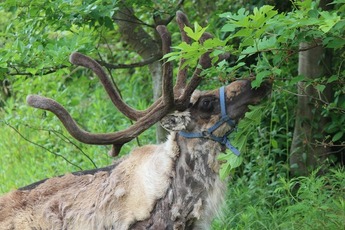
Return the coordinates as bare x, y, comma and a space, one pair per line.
306, 154
147, 47
156, 72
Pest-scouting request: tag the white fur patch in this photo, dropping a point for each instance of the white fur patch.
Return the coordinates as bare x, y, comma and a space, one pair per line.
176, 121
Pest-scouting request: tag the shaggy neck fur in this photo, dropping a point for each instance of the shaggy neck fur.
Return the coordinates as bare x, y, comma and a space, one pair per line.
195, 192
174, 185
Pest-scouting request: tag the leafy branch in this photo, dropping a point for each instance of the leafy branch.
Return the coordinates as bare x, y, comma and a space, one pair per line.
129, 66
33, 72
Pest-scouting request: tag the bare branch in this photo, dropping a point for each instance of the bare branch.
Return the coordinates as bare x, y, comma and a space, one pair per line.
64, 138
159, 21
132, 65
44, 71
41, 146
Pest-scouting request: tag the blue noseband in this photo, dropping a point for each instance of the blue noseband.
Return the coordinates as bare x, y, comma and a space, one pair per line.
208, 134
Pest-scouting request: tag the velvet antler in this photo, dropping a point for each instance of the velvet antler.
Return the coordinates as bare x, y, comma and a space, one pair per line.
173, 97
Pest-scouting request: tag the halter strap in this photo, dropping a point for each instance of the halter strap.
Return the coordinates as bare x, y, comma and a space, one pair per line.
208, 134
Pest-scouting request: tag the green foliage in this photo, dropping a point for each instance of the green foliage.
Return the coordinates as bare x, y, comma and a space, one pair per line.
192, 52
197, 33
245, 129
36, 38
261, 194
314, 202
273, 39
40, 49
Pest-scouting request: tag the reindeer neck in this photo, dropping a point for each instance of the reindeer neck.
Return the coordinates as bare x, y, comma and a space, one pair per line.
195, 192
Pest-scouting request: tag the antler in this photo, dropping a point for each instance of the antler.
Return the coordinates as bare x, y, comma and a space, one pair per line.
173, 97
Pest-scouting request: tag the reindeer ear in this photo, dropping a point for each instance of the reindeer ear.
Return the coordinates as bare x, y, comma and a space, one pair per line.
176, 121
195, 96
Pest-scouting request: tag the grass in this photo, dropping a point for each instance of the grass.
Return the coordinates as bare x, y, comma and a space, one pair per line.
33, 143
317, 203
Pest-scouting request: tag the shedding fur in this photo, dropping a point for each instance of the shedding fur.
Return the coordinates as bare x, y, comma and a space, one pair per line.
176, 121
105, 200
174, 185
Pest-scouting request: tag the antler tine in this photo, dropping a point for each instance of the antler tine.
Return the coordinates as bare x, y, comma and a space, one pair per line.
183, 90
204, 63
163, 105
183, 101
182, 21
167, 88
66, 119
117, 138
144, 119
83, 60
221, 57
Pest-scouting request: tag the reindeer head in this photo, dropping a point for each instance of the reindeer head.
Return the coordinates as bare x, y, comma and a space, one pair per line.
214, 114
202, 110
238, 95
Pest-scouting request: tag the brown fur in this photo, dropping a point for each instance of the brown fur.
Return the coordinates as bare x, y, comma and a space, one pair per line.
110, 200
174, 185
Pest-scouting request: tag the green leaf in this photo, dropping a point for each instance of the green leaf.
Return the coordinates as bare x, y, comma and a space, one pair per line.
243, 33
274, 143
260, 77
266, 43
224, 171
297, 79
234, 161
337, 136
320, 87
334, 42
229, 28
241, 14
231, 162
329, 20
33, 71
332, 79
213, 43
313, 13
197, 33
236, 67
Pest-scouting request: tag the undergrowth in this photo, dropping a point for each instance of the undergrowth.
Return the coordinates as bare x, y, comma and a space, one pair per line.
257, 202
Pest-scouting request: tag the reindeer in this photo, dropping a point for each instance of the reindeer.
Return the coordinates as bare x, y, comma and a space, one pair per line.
173, 185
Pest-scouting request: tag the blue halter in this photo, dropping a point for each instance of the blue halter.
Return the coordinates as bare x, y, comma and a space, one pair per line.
208, 134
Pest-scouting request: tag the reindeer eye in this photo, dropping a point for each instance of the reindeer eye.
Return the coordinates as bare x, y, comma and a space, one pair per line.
206, 105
